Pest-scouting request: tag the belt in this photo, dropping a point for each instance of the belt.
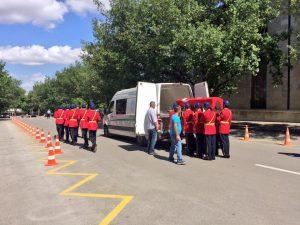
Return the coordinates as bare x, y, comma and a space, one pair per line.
224, 122
82, 119
73, 120
92, 122
209, 124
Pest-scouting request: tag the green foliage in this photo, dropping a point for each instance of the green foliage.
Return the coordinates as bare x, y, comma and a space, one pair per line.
12, 95
184, 41
72, 85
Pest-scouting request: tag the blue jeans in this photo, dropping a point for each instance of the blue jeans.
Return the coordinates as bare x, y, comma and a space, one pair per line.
152, 140
176, 146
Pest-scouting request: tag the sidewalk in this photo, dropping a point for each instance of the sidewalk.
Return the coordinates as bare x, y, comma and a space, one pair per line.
266, 129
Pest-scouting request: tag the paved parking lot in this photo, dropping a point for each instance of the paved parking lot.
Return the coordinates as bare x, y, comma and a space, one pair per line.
258, 185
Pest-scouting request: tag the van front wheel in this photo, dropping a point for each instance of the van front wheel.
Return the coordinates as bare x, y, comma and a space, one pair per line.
141, 140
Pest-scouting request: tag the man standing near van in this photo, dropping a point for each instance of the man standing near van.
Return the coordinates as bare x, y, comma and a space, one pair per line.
152, 127
175, 131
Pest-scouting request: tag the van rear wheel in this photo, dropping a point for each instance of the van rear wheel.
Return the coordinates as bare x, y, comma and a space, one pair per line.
141, 140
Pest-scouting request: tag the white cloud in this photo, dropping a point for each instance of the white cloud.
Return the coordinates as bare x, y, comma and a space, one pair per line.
84, 6
39, 55
81, 6
29, 80
44, 13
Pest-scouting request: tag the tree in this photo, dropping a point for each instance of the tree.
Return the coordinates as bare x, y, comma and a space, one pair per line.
184, 41
12, 95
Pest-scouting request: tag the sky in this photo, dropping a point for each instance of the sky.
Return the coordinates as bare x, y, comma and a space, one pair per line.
40, 37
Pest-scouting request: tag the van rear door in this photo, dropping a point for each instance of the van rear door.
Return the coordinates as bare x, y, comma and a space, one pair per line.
146, 92
201, 90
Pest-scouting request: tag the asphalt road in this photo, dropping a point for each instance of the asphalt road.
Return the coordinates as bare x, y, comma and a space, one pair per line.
259, 184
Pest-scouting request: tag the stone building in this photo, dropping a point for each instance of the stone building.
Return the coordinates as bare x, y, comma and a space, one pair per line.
258, 100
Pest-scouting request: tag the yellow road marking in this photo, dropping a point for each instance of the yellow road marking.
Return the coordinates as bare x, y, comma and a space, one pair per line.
88, 177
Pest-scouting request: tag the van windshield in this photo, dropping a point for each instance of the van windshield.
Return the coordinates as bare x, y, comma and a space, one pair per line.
170, 93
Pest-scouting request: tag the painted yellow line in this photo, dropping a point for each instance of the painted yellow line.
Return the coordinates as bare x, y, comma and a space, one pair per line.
125, 199
88, 177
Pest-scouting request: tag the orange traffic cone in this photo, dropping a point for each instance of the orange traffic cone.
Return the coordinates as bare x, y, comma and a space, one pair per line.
57, 148
37, 134
246, 136
287, 140
49, 140
33, 132
43, 139
51, 157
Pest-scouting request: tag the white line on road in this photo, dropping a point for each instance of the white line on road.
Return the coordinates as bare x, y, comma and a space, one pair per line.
278, 169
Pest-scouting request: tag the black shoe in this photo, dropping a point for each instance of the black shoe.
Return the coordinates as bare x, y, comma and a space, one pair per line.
171, 160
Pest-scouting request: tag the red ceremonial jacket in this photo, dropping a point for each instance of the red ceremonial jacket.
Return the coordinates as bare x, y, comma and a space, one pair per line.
73, 118
66, 117
198, 122
209, 119
188, 121
83, 118
93, 119
59, 116
224, 120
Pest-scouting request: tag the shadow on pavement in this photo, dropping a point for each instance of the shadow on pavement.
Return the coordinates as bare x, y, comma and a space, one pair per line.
289, 154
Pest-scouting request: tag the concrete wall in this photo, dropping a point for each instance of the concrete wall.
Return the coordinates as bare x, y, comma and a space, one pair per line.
266, 115
276, 97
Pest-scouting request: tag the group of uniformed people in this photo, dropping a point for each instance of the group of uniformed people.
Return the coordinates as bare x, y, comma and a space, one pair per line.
206, 130
70, 118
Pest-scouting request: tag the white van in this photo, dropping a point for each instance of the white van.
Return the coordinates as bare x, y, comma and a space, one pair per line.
127, 110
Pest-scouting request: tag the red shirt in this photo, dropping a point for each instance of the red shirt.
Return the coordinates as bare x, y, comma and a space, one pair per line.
59, 116
188, 121
209, 119
224, 120
73, 118
93, 118
83, 118
198, 122
66, 117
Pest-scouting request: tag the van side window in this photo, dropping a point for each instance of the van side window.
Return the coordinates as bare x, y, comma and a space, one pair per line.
121, 106
111, 107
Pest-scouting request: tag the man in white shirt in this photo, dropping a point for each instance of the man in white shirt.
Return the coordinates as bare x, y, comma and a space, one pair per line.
152, 127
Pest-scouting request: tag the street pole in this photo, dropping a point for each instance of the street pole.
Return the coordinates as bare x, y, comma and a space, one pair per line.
289, 57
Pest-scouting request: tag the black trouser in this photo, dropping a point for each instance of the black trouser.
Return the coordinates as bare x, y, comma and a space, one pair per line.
85, 137
92, 137
60, 131
201, 146
225, 144
190, 144
67, 131
218, 143
74, 131
211, 146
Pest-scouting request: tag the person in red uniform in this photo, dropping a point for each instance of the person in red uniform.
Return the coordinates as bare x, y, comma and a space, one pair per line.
209, 119
188, 129
66, 124
93, 119
59, 121
73, 123
198, 130
224, 128
83, 118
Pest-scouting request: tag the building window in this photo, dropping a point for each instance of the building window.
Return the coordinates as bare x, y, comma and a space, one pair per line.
121, 106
